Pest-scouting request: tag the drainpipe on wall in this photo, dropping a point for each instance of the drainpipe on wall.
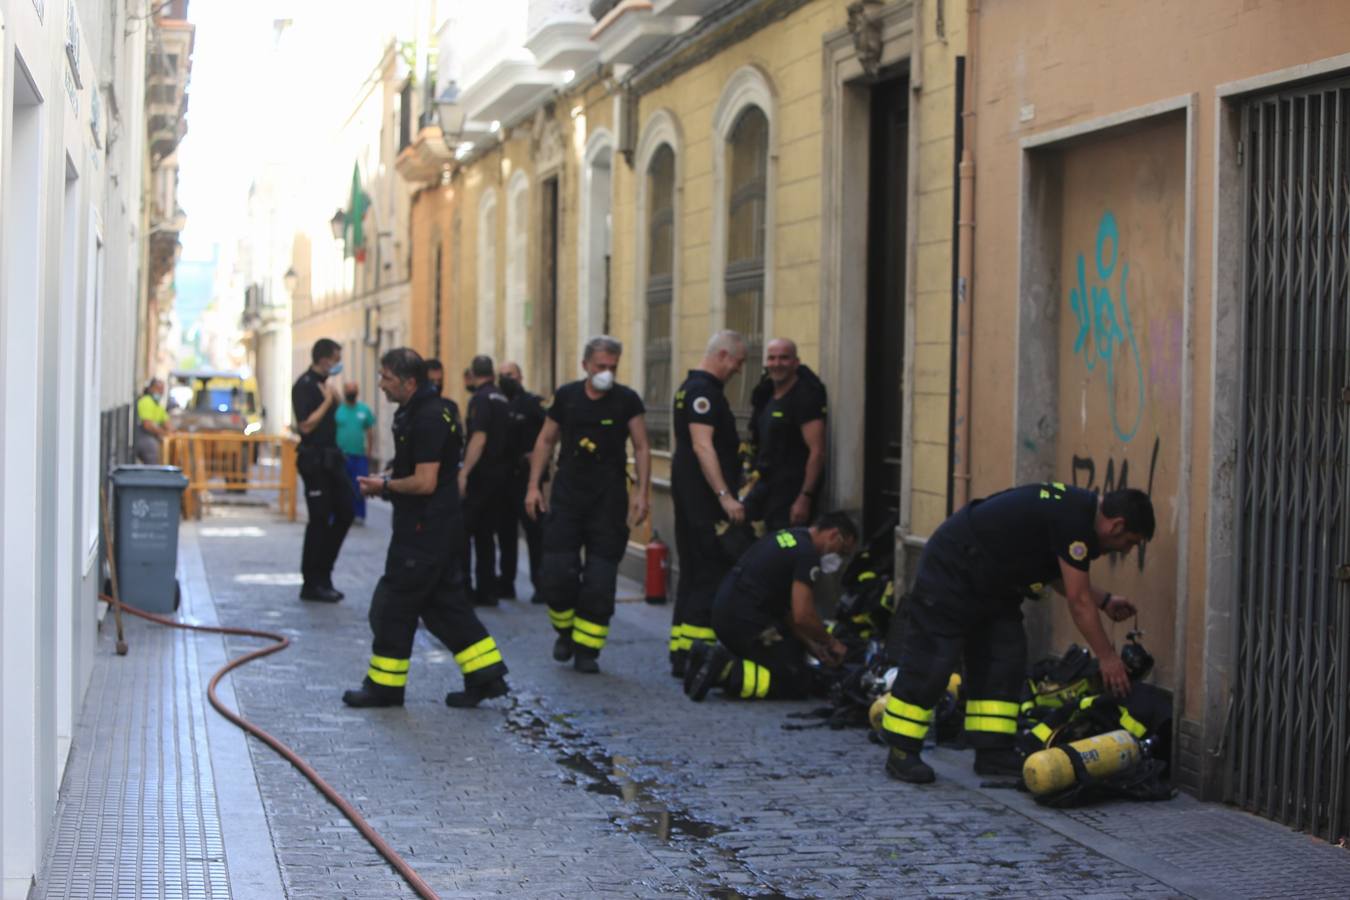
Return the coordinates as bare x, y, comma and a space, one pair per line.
965, 269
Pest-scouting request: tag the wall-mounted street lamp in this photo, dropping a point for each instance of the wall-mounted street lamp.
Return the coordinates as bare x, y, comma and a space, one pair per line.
450, 112
339, 223
290, 280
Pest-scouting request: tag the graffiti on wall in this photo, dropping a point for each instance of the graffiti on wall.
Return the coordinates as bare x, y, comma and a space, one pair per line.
1105, 331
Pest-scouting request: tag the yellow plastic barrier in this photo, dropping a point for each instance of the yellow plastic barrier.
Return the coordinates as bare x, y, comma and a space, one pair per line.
236, 463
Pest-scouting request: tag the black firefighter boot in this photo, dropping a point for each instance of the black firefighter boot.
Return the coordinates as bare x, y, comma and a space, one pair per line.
586, 661
709, 666
906, 765
372, 694
563, 647
472, 695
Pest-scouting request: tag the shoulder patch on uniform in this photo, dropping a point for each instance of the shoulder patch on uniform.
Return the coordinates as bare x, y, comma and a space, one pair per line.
702, 405
815, 573
1078, 551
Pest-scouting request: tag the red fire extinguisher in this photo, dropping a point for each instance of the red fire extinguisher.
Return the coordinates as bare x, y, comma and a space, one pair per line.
658, 567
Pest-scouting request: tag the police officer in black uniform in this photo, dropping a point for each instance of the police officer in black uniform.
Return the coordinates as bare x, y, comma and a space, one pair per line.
420, 579
787, 430
328, 491
966, 601
705, 475
485, 478
765, 615
591, 508
526, 419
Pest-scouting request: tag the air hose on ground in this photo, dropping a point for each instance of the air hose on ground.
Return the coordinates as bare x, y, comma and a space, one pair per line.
281, 642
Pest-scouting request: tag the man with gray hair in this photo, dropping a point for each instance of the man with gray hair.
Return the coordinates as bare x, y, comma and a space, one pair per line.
705, 473
591, 508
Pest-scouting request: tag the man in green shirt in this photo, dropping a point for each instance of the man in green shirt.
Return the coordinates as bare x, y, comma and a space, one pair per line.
152, 423
356, 440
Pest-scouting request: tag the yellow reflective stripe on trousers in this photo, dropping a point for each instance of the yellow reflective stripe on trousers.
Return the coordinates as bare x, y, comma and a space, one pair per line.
678, 640
478, 656
906, 719
991, 708
897, 707
589, 634
699, 633
754, 680
386, 679
562, 620
991, 724
389, 664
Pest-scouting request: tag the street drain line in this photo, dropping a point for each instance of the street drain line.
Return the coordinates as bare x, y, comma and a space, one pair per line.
281, 642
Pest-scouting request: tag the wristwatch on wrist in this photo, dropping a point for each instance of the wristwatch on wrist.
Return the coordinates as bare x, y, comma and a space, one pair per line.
384, 491
722, 493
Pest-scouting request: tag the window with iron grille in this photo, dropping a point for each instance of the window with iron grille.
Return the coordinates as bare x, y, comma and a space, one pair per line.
748, 164
660, 295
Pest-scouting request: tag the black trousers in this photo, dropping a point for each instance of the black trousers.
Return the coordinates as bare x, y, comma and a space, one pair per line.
513, 519
330, 503
414, 587
771, 499
585, 535
703, 562
771, 660
485, 503
955, 615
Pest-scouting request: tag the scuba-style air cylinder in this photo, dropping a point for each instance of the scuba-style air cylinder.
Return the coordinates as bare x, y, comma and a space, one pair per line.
1054, 769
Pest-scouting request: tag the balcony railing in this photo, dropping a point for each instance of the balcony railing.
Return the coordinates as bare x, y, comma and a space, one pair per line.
559, 34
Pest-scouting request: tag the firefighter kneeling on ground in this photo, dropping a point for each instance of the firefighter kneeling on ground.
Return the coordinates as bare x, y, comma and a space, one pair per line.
421, 580
765, 616
967, 597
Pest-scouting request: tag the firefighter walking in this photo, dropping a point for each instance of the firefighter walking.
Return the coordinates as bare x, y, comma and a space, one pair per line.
421, 580
705, 474
966, 602
587, 518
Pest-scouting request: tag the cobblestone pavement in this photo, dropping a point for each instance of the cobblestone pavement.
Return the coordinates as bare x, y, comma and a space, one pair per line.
616, 785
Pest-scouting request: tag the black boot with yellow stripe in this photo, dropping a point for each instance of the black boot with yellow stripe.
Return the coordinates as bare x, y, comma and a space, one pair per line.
484, 671
383, 684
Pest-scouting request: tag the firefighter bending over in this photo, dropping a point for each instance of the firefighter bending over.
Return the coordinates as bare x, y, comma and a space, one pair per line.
967, 597
420, 579
765, 615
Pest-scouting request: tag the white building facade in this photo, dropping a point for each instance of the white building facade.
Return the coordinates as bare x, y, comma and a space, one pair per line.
73, 167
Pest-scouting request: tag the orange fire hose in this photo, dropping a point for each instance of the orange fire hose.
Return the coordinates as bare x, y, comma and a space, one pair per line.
281, 642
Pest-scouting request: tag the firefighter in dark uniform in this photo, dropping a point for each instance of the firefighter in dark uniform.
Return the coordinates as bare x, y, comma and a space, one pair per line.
705, 475
328, 491
420, 579
966, 602
787, 430
591, 508
484, 479
526, 419
765, 615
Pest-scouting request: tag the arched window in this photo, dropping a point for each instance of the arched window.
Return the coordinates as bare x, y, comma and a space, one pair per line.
659, 294
748, 168
517, 245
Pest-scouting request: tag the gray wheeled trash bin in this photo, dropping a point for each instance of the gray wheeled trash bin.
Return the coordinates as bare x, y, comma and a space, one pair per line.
147, 503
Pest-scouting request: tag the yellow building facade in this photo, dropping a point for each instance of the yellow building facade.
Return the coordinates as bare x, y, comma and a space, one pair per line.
783, 168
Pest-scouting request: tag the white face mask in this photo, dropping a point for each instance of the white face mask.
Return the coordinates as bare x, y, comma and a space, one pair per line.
831, 563
602, 381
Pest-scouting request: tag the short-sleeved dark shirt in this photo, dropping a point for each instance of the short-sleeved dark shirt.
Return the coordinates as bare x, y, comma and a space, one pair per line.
489, 413
781, 450
307, 396
426, 429
768, 570
594, 433
1025, 531
526, 419
701, 400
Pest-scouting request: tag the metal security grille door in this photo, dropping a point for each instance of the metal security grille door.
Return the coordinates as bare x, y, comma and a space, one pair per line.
1289, 727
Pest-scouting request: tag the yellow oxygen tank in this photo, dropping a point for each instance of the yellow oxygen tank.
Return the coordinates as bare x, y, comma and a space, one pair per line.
877, 712
1050, 771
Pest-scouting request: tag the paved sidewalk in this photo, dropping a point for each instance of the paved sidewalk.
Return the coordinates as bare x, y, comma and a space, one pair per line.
577, 785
